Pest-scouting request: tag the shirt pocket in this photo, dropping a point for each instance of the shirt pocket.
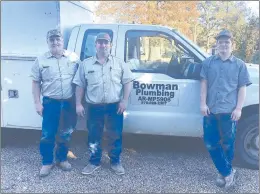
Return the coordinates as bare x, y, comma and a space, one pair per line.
232, 75
116, 75
47, 73
212, 74
93, 77
71, 68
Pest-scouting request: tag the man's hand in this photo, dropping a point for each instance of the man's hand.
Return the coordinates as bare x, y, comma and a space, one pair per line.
236, 114
122, 106
204, 110
80, 110
39, 108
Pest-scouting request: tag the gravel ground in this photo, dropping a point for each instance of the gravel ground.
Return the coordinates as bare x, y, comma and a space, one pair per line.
152, 163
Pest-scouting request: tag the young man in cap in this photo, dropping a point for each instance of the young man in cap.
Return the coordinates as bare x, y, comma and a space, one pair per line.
107, 82
223, 90
52, 75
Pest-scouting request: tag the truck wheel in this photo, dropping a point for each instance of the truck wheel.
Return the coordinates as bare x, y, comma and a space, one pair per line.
247, 141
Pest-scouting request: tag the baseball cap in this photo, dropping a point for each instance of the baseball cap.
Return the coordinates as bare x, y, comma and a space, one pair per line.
54, 32
226, 33
103, 36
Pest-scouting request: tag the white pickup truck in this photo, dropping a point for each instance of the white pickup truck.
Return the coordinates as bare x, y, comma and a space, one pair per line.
165, 99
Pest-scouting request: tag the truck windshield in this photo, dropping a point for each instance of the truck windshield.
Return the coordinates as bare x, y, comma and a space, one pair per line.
206, 55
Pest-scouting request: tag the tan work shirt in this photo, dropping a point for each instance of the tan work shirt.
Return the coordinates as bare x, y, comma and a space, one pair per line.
55, 75
103, 83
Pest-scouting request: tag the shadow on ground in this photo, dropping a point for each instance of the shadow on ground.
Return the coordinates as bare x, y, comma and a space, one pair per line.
23, 137
138, 142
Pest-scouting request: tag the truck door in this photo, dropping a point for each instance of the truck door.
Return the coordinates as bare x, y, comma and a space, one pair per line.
166, 91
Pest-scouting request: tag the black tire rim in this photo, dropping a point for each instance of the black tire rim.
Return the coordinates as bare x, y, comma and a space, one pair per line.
251, 143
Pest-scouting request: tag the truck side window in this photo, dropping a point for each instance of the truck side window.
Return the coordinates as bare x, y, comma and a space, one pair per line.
155, 52
88, 48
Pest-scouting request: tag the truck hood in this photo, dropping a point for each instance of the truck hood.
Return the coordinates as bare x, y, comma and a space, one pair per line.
253, 70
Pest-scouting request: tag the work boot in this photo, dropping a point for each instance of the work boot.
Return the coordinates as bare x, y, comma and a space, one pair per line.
220, 181
89, 169
118, 168
230, 179
65, 165
45, 170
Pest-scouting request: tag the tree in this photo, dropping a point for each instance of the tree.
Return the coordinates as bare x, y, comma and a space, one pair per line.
218, 15
176, 14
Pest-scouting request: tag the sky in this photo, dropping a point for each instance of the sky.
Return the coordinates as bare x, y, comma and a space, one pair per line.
254, 5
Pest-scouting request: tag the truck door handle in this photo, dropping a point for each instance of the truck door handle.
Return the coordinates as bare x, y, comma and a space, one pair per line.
13, 94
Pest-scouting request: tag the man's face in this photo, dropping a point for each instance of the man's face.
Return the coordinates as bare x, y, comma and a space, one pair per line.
103, 47
224, 45
55, 43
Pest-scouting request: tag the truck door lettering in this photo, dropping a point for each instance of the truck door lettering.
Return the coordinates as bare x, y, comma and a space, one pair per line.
153, 93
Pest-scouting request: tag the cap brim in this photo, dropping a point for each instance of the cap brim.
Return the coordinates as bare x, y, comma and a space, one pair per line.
103, 39
217, 37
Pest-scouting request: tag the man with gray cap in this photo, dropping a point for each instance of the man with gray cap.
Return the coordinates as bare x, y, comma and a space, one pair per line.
223, 90
107, 82
52, 75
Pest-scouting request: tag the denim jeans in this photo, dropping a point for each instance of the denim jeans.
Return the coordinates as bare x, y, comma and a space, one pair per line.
219, 138
114, 126
59, 118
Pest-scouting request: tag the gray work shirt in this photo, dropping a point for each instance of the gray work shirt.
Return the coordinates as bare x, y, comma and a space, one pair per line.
103, 83
55, 75
224, 78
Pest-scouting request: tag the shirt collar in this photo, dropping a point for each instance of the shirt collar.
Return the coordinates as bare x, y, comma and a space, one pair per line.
95, 60
64, 54
231, 58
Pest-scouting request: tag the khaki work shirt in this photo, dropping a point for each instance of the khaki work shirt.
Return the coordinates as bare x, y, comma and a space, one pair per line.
224, 78
103, 83
55, 75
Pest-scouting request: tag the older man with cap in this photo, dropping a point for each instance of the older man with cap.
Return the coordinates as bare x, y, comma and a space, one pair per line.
223, 90
107, 82
52, 75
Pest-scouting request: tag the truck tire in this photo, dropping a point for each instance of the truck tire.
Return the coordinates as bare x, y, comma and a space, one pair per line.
247, 142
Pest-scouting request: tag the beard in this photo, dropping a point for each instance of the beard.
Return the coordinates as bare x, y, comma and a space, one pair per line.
103, 52
56, 50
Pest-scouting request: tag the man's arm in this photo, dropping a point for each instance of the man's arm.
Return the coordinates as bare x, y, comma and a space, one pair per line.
236, 114
79, 81
36, 86
203, 98
36, 90
243, 82
79, 95
203, 92
127, 87
127, 90
204, 87
127, 81
241, 97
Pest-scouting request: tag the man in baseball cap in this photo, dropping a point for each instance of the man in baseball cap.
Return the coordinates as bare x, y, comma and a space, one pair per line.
107, 82
58, 104
224, 79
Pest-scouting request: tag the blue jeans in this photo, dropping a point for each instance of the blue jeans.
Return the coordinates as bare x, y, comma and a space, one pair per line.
57, 114
114, 126
219, 138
